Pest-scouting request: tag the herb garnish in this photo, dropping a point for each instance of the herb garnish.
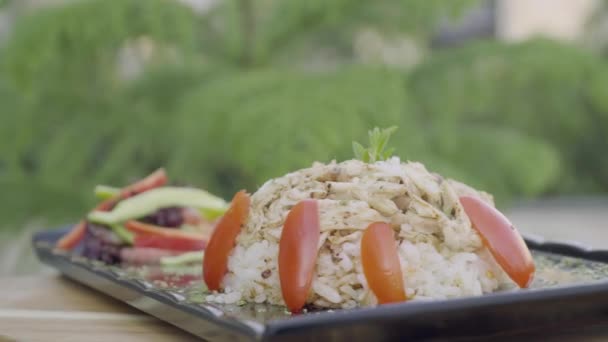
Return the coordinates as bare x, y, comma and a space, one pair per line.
378, 139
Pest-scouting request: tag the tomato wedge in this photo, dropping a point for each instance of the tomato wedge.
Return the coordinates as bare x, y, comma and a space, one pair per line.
298, 249
171, 243
502, 239
215, 262
380, 263
140, 228
76, 234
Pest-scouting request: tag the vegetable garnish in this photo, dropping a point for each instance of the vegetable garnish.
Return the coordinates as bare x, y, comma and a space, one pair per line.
176, 243
144, 255
73, 237
298, 253
502, 239
103, 192
122, 233
156, 179
380, 263
378, 140
183, 259
223, 239
156, 199
140, 228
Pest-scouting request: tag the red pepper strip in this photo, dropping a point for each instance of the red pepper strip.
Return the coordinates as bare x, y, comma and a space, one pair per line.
140, 228
76, 234
107, 205
156, 179
173, 243
73, 237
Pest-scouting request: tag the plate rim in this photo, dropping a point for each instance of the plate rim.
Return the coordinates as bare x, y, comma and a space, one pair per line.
41, 242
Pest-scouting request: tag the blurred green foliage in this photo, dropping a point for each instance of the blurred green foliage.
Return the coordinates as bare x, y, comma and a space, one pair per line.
227, 100
263, 123
296, 28
551, 92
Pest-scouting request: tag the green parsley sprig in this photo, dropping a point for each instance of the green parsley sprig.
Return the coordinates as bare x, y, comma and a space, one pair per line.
377, 150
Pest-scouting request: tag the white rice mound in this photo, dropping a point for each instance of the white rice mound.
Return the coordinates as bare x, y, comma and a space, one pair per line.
441, 255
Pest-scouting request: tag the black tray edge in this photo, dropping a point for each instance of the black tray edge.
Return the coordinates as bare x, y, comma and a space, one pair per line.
205, 322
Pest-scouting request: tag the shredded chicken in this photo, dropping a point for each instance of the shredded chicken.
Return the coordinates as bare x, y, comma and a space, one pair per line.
422, 207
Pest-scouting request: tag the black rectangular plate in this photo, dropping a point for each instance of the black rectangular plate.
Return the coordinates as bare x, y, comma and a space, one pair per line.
579, 297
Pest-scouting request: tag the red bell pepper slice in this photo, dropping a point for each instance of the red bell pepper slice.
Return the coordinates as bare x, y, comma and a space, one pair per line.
156, 179
140, 228
73, 237
173, 243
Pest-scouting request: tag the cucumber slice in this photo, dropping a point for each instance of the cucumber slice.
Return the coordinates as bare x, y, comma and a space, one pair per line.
123, 233
152, 200
182, 259
104, 192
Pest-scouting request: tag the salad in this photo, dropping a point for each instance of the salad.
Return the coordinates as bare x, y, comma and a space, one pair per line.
362, 232
144, 222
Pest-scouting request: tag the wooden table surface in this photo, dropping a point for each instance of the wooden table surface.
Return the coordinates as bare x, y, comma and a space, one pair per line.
53, 308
